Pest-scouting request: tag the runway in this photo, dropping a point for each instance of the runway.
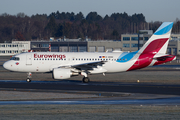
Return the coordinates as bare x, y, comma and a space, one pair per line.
159, 86
143, 94
93, 86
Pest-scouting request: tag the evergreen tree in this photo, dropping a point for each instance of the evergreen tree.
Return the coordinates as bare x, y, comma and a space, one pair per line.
51, 26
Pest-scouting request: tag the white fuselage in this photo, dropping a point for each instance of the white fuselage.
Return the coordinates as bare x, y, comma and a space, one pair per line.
47, 61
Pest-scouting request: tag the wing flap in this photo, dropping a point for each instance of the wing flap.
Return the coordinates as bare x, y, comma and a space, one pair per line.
88, 65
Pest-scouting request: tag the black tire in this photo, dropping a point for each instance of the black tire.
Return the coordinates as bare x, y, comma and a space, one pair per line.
85, 80
28, 80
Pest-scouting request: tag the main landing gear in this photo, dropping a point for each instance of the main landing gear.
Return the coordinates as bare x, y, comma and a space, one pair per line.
85, 78
29, 76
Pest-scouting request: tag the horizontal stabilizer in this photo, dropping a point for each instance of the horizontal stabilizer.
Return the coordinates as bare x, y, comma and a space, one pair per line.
163, 58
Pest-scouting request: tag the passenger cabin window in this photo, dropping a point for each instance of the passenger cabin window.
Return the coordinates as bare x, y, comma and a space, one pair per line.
15, 58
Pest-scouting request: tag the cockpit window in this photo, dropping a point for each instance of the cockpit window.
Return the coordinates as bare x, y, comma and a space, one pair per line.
15, 58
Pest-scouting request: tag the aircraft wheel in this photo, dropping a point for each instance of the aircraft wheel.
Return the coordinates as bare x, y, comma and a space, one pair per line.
85, 80
28, 80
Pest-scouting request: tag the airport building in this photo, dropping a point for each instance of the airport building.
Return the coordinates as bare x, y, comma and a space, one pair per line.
128, 42
76, 46
174, 45
16, 47
59, 46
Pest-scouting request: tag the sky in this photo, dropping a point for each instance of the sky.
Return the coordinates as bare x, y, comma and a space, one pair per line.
153, 10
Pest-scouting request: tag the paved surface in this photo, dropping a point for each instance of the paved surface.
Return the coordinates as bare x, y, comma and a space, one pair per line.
89, 112
155, 83
94, 86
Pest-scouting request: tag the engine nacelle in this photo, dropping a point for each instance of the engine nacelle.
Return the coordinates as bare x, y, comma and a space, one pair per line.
61, 73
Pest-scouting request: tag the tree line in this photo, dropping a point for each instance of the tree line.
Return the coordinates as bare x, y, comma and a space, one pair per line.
73, 26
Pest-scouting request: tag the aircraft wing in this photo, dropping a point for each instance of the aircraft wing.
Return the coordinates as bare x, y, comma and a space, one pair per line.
88, 65
83, 66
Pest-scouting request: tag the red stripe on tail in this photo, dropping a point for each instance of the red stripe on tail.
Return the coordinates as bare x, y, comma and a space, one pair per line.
147, 55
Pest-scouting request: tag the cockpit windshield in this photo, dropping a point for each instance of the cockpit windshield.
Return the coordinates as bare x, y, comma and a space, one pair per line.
15, 58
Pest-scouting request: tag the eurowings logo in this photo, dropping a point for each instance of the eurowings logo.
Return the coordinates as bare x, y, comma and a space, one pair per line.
17, 63
49, 56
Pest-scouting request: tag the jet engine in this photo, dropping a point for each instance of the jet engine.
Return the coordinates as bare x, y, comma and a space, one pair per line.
63, 73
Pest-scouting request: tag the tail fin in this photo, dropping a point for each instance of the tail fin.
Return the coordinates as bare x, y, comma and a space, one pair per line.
153, 51
159, 40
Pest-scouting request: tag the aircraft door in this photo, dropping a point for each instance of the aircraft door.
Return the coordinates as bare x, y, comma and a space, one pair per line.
28, 59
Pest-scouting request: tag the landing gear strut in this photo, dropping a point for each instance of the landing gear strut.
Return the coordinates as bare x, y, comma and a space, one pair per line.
29, 76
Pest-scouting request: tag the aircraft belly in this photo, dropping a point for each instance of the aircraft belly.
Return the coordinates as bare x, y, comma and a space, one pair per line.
118, 67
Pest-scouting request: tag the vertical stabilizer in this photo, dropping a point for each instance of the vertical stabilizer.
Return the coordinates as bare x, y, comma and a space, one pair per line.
158, 42
154, 50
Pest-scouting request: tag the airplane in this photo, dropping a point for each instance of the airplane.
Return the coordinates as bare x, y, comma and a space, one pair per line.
64, 65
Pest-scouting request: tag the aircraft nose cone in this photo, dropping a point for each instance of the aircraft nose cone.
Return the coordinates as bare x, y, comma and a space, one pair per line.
6, 65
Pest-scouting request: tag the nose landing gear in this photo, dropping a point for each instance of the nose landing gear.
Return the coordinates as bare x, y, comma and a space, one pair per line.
29, 76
